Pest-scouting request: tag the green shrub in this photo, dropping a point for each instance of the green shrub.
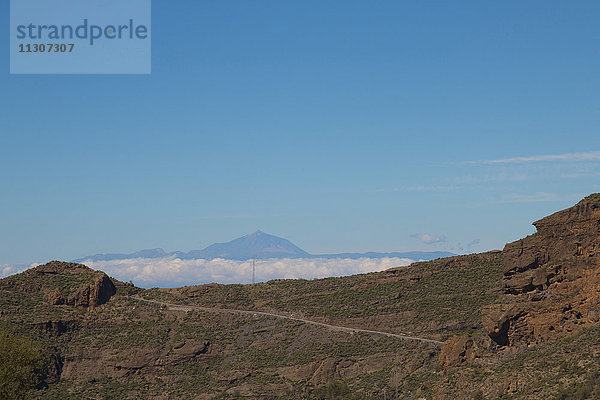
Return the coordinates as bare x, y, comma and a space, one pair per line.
335, 390
590, 389
22, 365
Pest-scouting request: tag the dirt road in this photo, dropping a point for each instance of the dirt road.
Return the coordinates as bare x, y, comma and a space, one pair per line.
281, 316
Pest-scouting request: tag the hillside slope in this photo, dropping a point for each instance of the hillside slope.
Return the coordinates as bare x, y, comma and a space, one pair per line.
517, 324
129, 349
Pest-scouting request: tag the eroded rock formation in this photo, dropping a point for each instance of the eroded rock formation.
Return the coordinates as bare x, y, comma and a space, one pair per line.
551, 281
73, 284
93, 294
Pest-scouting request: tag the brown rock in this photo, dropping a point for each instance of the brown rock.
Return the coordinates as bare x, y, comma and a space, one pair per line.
55, 328
138, 359
56, 298
192, 348
88, 295
456, 351
570, 234
497, 320
551, 279
94, 294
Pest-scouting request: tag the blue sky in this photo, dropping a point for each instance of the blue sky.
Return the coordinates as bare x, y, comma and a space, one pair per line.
340, 125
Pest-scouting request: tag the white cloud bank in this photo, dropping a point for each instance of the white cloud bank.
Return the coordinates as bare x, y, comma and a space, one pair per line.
174, 272
10, 269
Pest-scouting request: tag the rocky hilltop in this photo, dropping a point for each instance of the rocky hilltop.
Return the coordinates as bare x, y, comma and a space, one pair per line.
81, 286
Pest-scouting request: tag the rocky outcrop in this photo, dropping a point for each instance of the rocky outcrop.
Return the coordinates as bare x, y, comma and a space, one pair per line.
94, 294
457, 350
551, 280
550, 287
74, 284
570, 235
189, 349
56, 328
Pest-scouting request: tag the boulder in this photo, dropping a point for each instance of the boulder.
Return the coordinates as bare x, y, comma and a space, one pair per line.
456, 351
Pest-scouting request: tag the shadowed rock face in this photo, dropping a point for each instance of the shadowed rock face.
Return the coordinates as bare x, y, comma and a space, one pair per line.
551, 279
55, 328
94, 294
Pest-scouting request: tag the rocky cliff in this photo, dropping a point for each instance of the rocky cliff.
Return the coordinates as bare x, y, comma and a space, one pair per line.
551, 281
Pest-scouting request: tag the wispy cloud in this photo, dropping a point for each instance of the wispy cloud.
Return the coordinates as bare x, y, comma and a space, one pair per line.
461, 248
472, 243
174, 272
242, 216
574, 157
568, 166
539, 197
432, 188
429, 239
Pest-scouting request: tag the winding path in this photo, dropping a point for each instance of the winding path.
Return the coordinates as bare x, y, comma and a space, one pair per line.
280, 316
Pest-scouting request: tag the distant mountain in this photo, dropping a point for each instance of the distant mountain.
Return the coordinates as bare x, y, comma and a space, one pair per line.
257, 244
149, 253
260, 245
